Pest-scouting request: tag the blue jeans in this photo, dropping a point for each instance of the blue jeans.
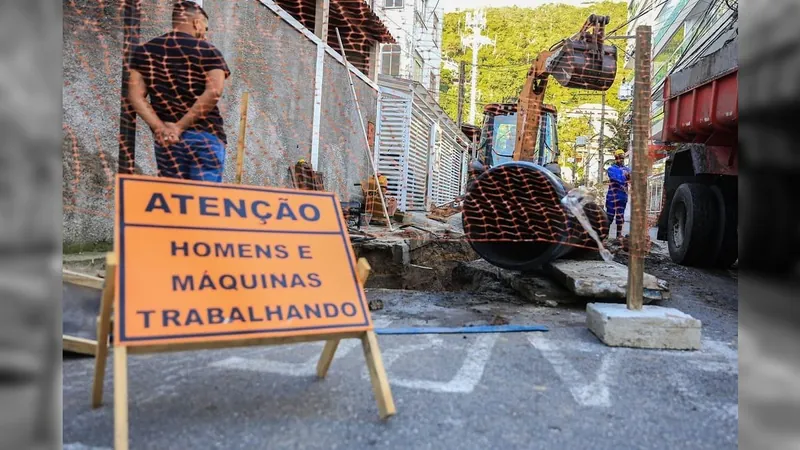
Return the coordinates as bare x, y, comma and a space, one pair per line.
200, 156
615, 207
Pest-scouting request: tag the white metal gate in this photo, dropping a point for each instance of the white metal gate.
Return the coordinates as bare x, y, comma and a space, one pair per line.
417, 147
418, 153
447, 166
391, 140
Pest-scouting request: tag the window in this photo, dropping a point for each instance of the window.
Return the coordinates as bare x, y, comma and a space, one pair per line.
390, 60
418, 68
419, 15
669, 55
420, 6
435, 28
433, 83
393, 3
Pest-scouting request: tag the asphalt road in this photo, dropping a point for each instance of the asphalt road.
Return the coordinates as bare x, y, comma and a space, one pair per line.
559, 389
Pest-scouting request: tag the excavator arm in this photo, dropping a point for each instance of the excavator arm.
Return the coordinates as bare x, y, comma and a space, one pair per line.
582, 61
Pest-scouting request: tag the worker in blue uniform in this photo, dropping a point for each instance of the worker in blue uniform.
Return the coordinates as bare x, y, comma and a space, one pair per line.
617, 197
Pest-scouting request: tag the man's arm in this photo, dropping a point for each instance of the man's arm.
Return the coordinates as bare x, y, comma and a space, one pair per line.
616, 174
215, 83
137, 96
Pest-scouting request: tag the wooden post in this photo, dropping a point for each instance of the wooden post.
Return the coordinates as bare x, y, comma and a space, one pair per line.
242, 132
641, 165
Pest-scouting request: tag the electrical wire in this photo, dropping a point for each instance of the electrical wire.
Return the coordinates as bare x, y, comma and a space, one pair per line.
433, 11
652, 7
700, 48
707, 17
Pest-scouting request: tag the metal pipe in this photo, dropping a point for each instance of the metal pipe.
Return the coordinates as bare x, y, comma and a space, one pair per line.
513, 217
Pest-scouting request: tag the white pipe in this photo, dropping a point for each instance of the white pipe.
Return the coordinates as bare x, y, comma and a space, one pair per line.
315, 125
364, 130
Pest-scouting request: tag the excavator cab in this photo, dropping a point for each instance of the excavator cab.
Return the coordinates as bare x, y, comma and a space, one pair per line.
499, 134
584, 61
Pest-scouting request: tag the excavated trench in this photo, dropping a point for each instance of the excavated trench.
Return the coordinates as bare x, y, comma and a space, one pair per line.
452, 266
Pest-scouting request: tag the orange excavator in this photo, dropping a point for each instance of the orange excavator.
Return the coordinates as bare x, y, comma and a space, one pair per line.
582, 61
512, 214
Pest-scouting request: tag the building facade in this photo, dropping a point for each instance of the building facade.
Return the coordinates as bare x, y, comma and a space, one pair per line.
587, 155
417, 27
683, 32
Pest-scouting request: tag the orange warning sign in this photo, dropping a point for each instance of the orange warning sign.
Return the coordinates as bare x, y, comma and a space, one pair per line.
202, 261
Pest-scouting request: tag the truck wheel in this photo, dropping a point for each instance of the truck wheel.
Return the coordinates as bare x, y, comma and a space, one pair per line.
692, 224
728, 248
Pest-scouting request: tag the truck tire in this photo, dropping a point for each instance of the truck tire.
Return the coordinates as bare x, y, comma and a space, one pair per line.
728, 241
692, 225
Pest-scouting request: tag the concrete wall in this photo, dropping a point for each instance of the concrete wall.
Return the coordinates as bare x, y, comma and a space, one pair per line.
268, 58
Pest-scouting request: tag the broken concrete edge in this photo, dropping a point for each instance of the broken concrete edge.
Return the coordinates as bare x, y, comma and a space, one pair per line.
609, 282
654, 327
523, 285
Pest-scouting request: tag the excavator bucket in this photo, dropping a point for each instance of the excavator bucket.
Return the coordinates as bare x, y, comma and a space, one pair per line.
584, 61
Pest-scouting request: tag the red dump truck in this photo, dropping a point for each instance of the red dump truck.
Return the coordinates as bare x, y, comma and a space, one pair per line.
699, 218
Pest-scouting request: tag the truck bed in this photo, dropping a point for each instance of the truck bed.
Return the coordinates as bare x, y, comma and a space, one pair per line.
701, 102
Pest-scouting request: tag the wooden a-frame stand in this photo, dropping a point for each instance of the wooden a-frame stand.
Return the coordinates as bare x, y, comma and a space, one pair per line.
369, 342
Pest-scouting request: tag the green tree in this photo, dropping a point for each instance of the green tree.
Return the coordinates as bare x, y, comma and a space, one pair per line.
519, 35
621, 129
569, 128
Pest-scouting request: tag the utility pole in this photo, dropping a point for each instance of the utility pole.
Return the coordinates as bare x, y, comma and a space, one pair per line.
641, 165
476, 23
586, 157
461, 75
600, 141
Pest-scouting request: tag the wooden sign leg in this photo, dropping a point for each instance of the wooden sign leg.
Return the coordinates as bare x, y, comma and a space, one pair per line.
377, 374
104, 330
327, 357
120, 398
362, 270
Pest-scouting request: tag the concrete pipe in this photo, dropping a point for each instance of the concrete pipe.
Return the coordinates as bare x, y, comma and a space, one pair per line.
513, 217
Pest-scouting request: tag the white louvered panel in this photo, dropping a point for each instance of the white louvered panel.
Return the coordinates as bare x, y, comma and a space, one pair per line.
418, 161
447, 170
392, 132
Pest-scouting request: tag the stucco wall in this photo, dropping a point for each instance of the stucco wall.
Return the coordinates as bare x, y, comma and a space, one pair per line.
268, 58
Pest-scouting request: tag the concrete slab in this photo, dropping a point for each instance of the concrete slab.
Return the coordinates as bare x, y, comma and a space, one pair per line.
654, 327
603, 280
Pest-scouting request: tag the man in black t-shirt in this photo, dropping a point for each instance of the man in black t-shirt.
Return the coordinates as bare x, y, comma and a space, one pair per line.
184, 76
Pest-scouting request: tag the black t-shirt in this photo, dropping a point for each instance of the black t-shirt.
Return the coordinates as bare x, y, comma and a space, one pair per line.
174, 67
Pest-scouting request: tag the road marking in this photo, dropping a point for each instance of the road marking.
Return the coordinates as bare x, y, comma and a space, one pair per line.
595, 393
306, 368
714, 356
465, 380
79, 446
302, 369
